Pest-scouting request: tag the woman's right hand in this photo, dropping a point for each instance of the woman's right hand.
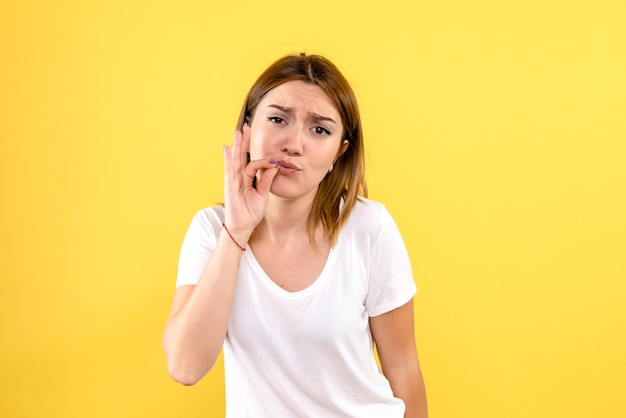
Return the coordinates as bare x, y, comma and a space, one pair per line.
244, 205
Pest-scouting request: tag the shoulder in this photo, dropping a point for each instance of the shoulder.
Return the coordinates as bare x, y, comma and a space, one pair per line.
212, 214
369, 217
369, 212
208, 220
198, 244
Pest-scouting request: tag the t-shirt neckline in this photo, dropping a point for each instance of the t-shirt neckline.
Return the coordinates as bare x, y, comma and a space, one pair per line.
274, 287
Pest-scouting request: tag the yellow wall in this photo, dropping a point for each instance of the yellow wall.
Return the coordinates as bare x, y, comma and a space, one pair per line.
496, 136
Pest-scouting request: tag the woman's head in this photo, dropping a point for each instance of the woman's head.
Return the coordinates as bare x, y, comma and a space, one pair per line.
346, 180
313, 69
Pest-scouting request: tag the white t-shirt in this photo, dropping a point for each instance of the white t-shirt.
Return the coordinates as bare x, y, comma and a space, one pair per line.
310, 353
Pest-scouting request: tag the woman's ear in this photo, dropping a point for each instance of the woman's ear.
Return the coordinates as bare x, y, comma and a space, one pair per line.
342, 149
344, 146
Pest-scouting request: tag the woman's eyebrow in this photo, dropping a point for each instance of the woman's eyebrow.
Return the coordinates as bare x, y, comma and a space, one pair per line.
315, 116
320, 118
281, 108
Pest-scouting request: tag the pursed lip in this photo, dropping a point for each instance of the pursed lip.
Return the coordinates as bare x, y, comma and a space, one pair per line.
288, 165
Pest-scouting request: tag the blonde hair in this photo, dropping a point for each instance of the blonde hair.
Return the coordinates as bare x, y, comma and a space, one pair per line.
347, 179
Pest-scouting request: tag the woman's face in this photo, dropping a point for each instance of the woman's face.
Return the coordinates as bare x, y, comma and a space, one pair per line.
297, 125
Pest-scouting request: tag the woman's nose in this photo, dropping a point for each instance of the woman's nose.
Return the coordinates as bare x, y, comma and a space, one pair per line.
294, 142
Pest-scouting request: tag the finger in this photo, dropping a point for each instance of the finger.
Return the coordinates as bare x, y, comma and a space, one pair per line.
265, 181
235, 156
254, 166
232, 180
245, 144
228, 167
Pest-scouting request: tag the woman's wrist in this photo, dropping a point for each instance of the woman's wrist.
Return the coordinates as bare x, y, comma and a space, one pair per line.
238, 239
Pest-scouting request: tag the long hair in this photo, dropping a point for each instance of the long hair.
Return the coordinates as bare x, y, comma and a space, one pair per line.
347, 179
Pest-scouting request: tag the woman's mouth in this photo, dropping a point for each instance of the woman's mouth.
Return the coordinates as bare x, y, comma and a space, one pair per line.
286, 167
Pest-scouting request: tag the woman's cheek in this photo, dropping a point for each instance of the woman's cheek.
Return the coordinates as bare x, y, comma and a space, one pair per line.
259, 147
255, 152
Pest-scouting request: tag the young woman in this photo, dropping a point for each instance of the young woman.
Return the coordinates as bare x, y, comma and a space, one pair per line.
298, 276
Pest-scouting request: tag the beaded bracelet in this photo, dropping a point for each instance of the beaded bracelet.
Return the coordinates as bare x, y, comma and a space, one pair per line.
231, 237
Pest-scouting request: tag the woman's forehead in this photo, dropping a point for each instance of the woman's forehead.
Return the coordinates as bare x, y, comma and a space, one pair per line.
300, 96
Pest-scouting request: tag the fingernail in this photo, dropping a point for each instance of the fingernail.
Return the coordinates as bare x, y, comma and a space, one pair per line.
273, 162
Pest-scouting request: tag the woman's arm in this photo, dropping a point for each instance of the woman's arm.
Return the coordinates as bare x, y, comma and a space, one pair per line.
196, 328
394, 335
198, 321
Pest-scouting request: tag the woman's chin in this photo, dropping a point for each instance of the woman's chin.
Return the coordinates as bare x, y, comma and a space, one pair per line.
289, 191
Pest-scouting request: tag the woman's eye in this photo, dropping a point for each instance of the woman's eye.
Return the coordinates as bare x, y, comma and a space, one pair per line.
275, 119
321, 131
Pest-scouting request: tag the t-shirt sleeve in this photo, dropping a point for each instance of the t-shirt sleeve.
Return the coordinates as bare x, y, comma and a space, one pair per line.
391, 283
197, 247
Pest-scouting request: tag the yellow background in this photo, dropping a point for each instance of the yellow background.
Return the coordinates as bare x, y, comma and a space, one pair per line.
495, 134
